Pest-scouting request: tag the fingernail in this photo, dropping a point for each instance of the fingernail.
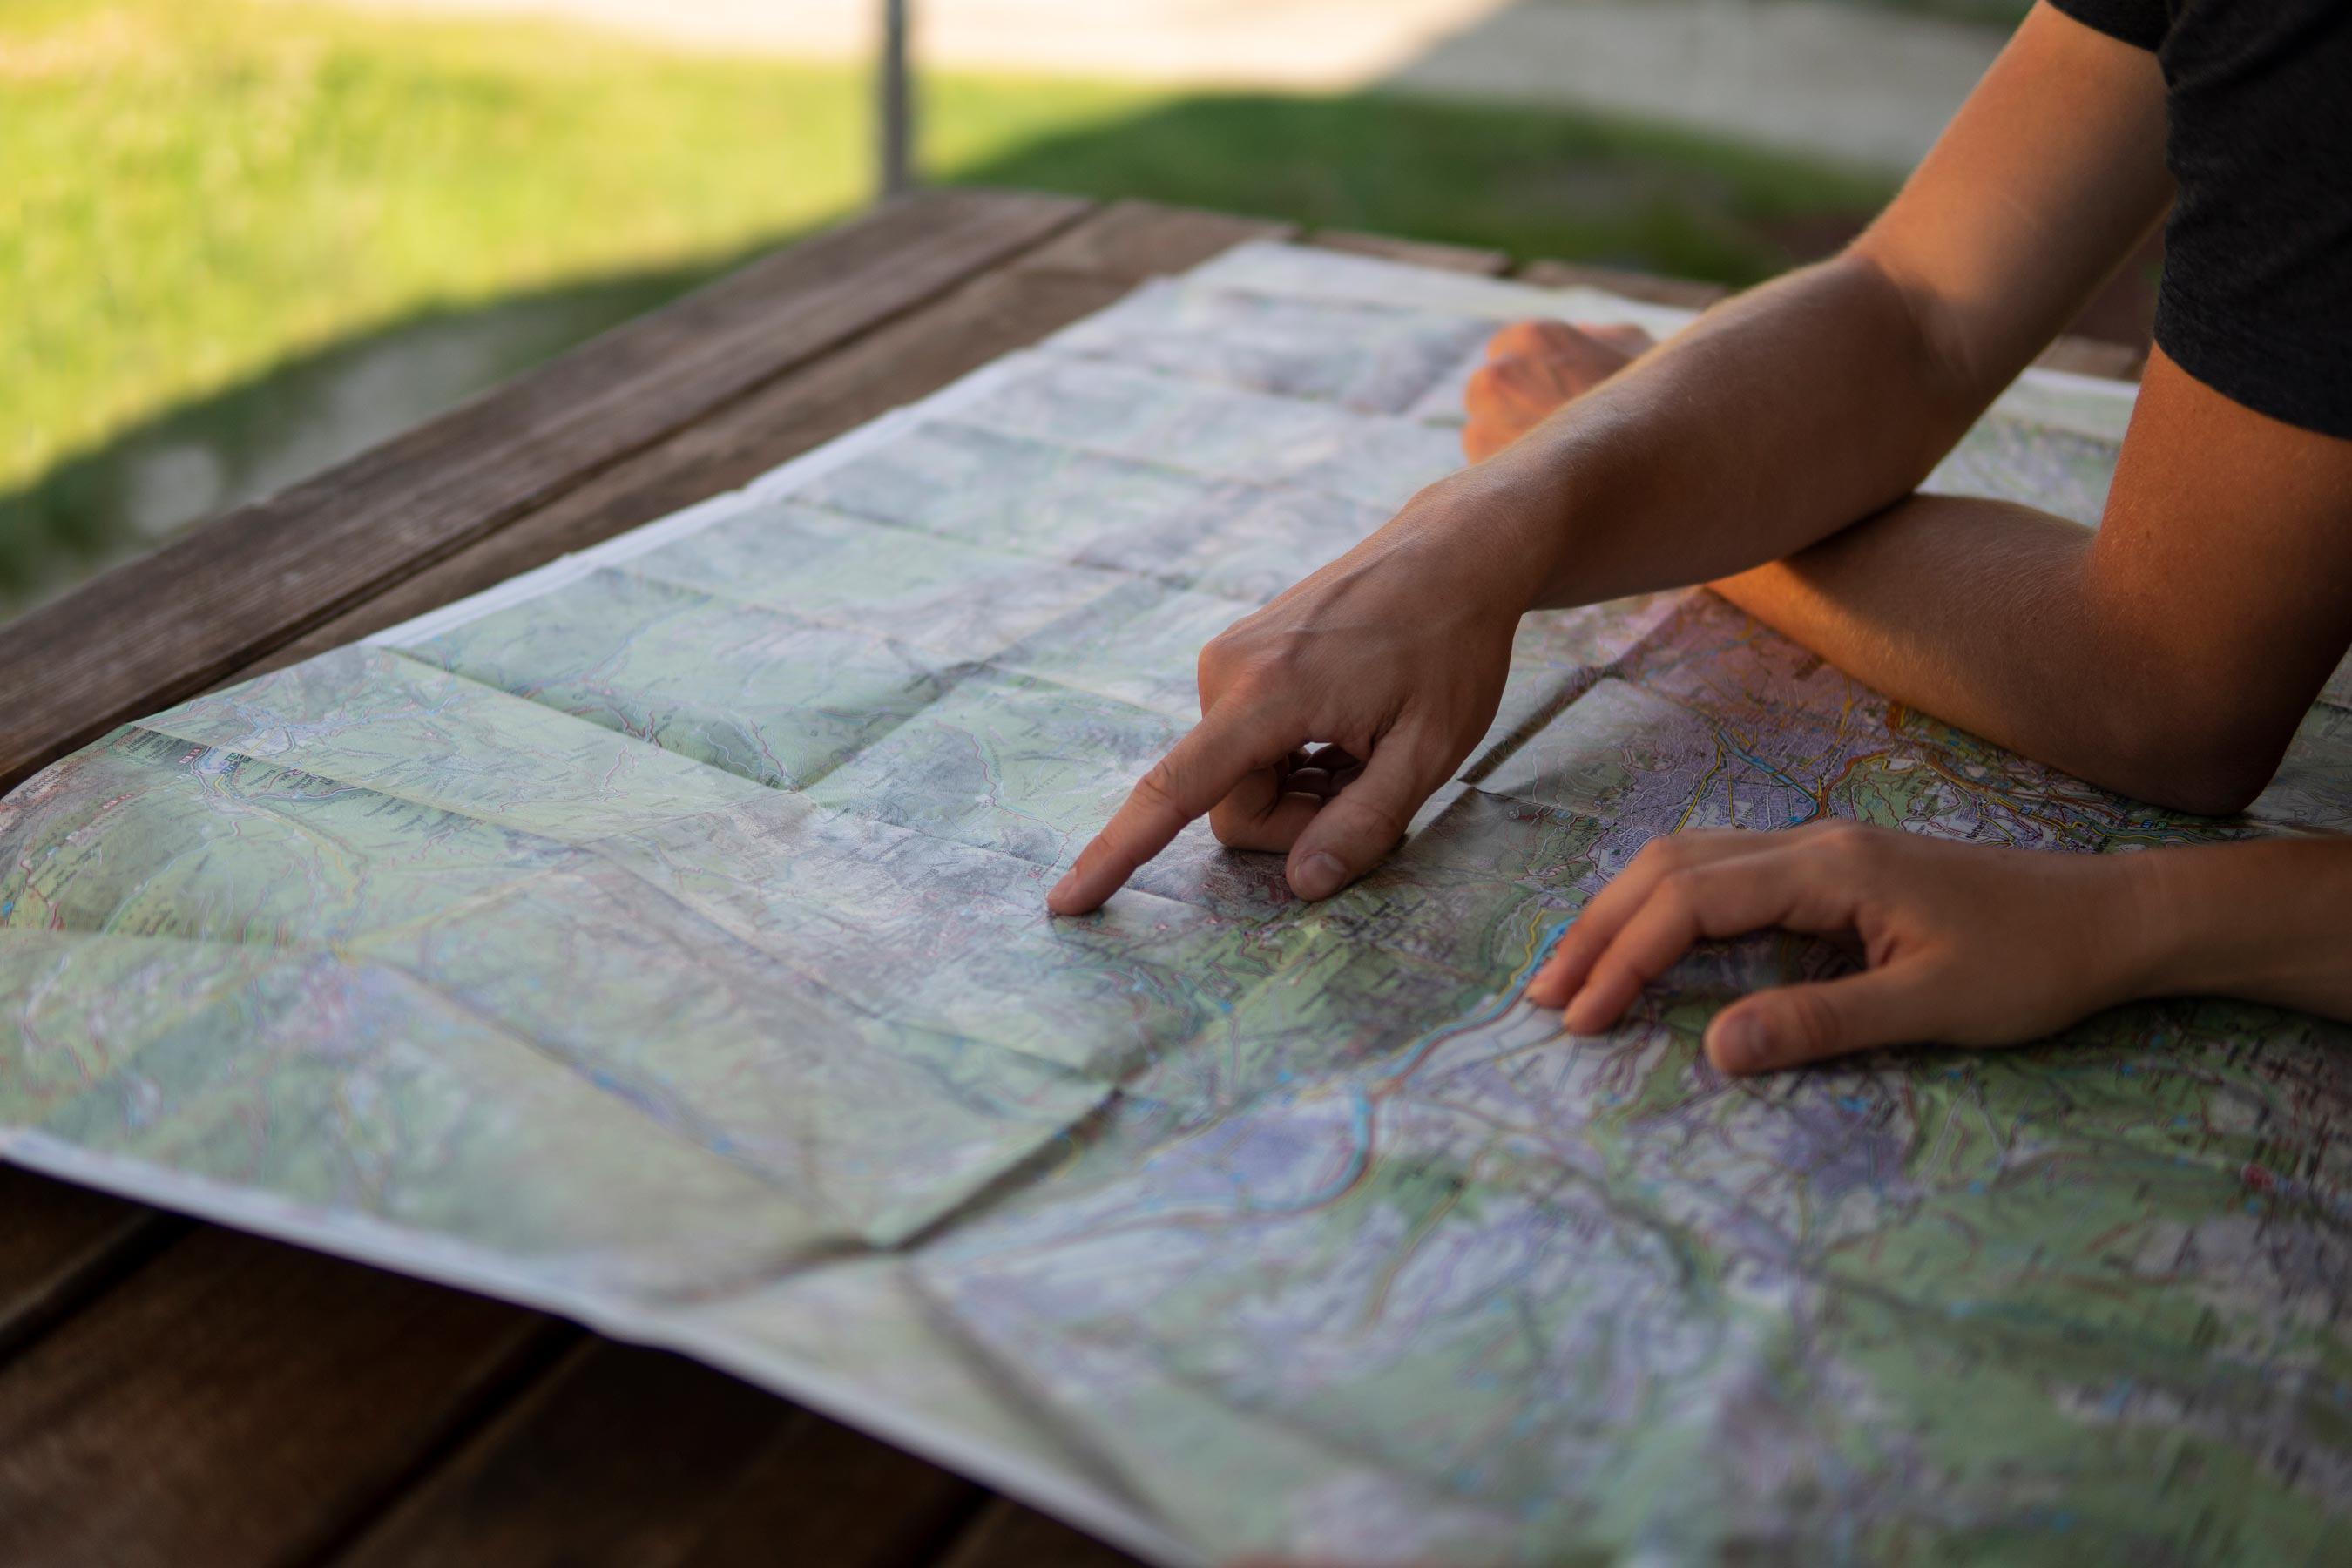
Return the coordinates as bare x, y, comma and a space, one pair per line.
1738, 1044
1318, 877
1062, 889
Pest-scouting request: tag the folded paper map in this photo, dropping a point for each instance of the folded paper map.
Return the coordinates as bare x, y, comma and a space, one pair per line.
659, 937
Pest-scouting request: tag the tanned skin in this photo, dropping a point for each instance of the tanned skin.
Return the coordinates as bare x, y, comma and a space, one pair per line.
1771, 449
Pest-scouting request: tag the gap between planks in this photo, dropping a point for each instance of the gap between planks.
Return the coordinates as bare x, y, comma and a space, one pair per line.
900, 356
1067, 274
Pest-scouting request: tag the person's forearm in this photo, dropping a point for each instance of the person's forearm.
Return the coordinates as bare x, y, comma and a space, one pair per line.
1777, 419
2008, 622
1978, 612
2269, 920
1803, 406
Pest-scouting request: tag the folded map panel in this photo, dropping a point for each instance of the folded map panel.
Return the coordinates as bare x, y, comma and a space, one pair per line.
659, 937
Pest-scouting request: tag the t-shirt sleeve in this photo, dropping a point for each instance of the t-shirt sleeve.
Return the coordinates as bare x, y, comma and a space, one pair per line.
2256, 301
2140, 23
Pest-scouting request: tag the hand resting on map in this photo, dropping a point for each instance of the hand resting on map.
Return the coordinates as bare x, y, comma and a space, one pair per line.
1774, 449
1961, 944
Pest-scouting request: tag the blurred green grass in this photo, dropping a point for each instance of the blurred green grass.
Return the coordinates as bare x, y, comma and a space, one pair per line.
218, 219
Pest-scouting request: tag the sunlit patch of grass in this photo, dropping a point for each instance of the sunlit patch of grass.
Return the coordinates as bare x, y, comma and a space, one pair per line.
193, 193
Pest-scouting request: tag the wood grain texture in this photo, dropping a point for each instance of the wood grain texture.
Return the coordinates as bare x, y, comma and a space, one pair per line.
238, 1402
173, 622
61, 1244
1414, 252
1008, 1535
1007, 309
821, 1493
1129, 241
198, 1396
219, 1428
619, 1455
636, 1458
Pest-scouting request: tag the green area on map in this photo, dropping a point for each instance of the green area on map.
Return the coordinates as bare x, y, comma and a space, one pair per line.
669, 941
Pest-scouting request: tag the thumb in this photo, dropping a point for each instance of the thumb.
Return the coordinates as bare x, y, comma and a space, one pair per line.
1792, 1025
1357, 827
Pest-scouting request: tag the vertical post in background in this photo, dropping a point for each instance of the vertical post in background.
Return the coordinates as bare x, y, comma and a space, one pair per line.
898, 106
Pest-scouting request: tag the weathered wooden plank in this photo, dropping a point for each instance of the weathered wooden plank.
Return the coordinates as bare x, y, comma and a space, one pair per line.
231, 1417
1683, 293
59, 1242
1132, 240
1415, 252
912, 1507
60, 1245
620, 1455
1005, 310
822, 1493
298, 1395
1007, 1535
235, 1402
176, 621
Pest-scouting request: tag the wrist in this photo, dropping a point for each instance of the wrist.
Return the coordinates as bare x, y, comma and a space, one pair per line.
2138, 902
1501, 525
2203, 920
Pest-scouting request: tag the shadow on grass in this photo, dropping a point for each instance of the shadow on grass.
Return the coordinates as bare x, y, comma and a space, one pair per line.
1530, 182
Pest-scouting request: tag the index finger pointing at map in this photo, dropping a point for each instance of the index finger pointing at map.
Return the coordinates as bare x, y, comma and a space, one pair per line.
1198, 771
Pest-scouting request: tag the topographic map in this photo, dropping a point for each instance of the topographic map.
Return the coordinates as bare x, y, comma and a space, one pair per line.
660, 938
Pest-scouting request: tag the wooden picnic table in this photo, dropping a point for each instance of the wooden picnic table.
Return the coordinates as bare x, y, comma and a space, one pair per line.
174, 1392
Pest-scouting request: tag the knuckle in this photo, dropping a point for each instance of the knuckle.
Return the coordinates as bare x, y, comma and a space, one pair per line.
1535, 336
1159, 786
1678, 888
1509, 340
1244, 672
1665, 854
1552, 337
1219, 654
1513, 373
1849, 845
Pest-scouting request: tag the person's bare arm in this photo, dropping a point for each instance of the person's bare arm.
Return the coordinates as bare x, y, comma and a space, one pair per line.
1961, 944
1797, 408
1776, 420
2170, 655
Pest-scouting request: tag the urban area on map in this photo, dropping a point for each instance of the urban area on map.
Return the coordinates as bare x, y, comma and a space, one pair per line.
660, 938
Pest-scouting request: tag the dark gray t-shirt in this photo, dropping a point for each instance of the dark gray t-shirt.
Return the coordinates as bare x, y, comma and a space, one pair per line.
2256, 301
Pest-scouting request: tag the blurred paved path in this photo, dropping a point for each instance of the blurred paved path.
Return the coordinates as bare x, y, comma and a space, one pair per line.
1818, 76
